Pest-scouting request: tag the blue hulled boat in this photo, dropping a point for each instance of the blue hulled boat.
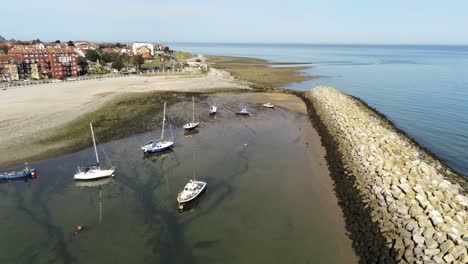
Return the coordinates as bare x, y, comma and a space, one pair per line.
25, 173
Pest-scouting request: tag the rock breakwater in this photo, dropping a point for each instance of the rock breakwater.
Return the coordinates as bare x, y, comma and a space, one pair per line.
401, 204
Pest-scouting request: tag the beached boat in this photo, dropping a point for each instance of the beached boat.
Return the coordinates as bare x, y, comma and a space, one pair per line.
93, 172
191, 191
25, 173
213, 110
243, 111
160, 144
269, 105
192, 124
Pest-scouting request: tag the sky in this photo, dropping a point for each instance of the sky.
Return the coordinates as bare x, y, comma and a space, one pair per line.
239, 21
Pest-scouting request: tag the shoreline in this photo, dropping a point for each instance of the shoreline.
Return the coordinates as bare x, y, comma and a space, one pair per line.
61, 129
363, 203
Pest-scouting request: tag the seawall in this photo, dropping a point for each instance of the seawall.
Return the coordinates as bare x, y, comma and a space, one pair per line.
401, 204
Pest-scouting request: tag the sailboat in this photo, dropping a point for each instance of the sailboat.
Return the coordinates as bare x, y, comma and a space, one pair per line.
269, 105
93, 172
243, 111
193, 124
161, 144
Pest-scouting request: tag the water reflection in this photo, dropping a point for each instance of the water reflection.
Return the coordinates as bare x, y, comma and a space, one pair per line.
191, 133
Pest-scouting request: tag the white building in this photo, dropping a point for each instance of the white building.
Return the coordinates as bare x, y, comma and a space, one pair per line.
138, 45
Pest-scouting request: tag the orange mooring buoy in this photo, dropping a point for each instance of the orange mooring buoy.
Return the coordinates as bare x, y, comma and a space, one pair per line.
181, 206
79, 228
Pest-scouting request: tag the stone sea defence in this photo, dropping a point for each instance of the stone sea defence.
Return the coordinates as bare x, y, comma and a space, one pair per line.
401, 204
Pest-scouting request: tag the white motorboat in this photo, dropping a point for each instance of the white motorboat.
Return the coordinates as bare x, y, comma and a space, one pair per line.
191, 191
268, 105
213, 110
160, 144
192, 124
243, 111
93, 172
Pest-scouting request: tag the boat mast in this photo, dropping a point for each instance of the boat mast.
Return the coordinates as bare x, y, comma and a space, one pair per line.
94, 142
193, 110
164, 120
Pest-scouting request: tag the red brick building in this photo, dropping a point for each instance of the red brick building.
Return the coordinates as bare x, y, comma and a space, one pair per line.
51, 62
11, 66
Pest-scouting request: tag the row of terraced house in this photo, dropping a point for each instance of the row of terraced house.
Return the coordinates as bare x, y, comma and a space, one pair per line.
38, 61
57, 60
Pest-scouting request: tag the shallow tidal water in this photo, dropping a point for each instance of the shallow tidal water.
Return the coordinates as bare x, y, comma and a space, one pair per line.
266, 201
422, 89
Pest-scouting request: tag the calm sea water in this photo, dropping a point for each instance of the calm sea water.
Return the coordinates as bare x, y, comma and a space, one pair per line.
422, 89
266, 200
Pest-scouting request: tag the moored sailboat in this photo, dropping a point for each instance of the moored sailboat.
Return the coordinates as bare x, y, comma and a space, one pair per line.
192, 124
160, 144
243, 111
93, 172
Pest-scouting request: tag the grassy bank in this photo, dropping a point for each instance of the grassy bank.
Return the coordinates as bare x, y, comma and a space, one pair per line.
259, 73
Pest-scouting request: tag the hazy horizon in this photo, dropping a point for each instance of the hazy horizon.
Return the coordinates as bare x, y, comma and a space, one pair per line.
208, 21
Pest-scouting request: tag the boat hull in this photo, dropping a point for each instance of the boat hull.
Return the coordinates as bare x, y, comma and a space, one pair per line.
191, 126
94, 174
193, 198
242, 113
268, 106
163, 146
18, 175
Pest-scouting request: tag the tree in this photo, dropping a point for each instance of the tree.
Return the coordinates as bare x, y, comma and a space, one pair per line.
4, 49
71, 43
83, 63
110, 56
167, 50
138, 60
92, 55
57, 41
118, 64
37, 41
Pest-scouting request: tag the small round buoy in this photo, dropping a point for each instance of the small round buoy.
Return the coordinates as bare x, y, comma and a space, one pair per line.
79, 228
181, 206
33, 174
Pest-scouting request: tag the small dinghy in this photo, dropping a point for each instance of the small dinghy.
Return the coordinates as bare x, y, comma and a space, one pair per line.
213, 110
269, 105
25, 173
159, 145
191, 191
93, 172
243, 111
193, 124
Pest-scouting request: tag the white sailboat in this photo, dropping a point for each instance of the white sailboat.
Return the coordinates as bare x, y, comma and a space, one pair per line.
269, 105
93, 172
243, 111
192, 124
161, 144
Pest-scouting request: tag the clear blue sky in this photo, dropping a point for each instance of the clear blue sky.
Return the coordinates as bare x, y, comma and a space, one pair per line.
265, 21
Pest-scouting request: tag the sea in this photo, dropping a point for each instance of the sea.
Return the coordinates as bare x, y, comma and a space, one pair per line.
422, 89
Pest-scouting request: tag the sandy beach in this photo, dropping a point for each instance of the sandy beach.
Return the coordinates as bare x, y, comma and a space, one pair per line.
27, 113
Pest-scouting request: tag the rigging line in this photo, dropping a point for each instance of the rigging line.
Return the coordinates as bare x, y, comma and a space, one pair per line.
102, 149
